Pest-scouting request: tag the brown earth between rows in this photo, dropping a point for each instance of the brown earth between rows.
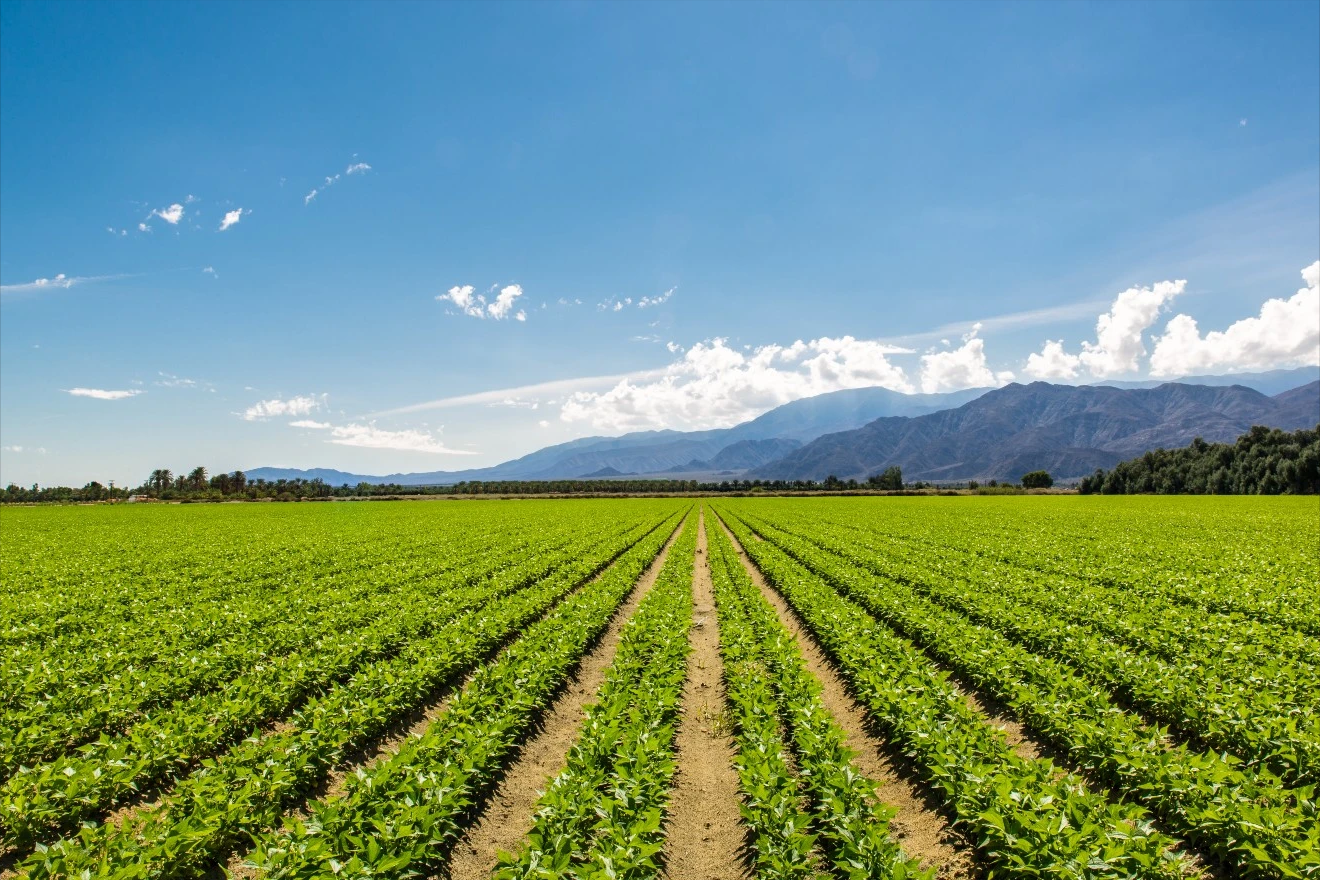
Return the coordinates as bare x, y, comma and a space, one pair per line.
705, 834
919, 827
509, 812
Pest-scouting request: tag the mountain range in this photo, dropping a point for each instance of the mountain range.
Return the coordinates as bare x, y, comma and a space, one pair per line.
973, 434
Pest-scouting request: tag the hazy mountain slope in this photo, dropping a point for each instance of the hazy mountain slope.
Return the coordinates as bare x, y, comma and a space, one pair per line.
1268, 383
1067, 430
644, 452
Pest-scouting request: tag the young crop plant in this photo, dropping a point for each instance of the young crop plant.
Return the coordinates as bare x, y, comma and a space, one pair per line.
1028, 820
851, 823
602, 816
54, 797
1247, 820
229, 800
402, 817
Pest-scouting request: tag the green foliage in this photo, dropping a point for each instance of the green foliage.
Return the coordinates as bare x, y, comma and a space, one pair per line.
1037, 480
1263, 461
890, 478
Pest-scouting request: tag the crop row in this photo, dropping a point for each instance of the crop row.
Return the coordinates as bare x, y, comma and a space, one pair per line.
1246, 820
1028, 819
851, 824
57, 795
245, 791
288, 662
403, 816
602, 816
1266, 719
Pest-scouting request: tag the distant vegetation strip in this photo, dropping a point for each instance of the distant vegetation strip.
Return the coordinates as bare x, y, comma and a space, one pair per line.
1263, 461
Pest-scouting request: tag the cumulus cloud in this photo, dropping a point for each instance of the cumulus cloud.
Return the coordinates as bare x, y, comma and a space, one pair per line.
1118, 347
713, 385
408, 440
232, 218
1286, 333
142, 227
474, 304
962, 367
294, 406
171, 215
309, 423
101, 394
1052, 363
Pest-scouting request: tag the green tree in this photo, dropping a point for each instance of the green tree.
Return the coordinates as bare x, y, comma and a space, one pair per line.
890, 478
1037, 480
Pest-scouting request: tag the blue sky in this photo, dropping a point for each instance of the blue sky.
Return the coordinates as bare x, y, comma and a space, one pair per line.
669, 195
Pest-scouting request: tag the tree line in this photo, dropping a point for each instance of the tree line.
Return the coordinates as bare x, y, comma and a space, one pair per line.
1263, 461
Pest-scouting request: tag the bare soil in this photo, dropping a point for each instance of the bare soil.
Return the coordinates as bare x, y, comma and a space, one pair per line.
705, 835
509, 813
919, 826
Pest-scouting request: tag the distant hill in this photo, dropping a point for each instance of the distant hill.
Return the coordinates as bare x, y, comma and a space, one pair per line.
974, 434
674, 452
1268, 383
1068, 430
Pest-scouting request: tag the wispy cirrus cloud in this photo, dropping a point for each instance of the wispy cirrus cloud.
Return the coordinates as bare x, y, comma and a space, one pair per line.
103, 394
58, 282
354, 168
369, 436
310, 423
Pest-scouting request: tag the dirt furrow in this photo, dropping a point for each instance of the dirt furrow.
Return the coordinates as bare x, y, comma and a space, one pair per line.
705, 835
919, 827
509, 812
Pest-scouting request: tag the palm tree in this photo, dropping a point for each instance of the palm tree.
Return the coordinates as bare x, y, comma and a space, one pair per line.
197, 478
161, 478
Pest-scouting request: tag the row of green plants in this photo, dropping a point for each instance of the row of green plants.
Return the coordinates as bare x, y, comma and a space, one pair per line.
56, 795
288, 651
1224, 688
603, 815
1235, 643
1028, 819
1246, 820
403, 816
227, 800
848, 822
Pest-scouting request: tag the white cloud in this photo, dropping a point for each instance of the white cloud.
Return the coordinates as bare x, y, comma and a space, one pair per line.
100, 394
171, 215
59, 282
39, 450
294, 406
210, 270
170, 381
190, 199
408, 440
504, 303
474, 304
309, 423
714, 385
358, 168
647, 301
1285, 334
142, 227
962, 367
543, 424
1118, 347
232, 218
1052, 362
307, 199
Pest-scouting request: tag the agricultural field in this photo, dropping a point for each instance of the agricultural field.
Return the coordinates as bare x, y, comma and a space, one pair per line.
736, 688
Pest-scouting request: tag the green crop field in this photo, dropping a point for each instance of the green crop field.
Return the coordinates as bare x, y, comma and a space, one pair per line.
1027, 686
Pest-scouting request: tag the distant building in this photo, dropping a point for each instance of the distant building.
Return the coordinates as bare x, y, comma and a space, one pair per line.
133, 498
